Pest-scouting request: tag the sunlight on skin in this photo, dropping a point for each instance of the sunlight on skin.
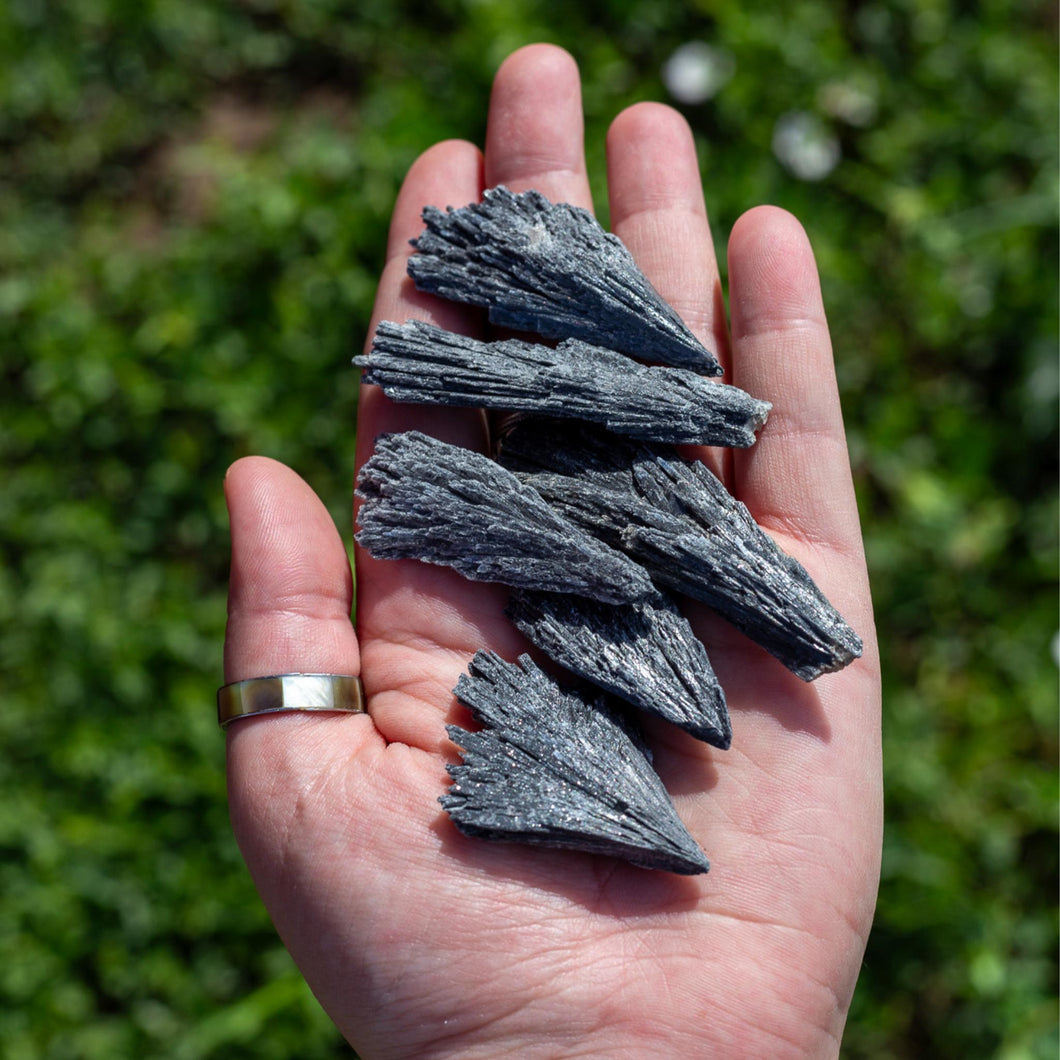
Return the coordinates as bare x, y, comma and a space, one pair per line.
421, 942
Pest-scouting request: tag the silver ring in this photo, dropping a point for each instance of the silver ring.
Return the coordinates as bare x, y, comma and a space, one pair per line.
271, 695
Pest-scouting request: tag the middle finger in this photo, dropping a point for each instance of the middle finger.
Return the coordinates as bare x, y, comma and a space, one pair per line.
535, 132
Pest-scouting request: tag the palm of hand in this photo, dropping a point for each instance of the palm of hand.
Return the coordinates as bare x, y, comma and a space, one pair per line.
421, 942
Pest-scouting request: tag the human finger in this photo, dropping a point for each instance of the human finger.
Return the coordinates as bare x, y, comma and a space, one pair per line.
796, 479
657, 210
447, 174
419, 624
290, 587
535, 130
288, 612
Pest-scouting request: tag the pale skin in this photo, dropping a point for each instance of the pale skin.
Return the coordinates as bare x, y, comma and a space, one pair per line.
420, 942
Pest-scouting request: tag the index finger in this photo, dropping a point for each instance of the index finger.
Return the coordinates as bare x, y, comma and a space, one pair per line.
448, 174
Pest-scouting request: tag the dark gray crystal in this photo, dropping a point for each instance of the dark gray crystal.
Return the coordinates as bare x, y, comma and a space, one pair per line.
646, 655
540, 445
555, 768
740, 571
424, 499
551, 268
419, 363
586, 473
677, 519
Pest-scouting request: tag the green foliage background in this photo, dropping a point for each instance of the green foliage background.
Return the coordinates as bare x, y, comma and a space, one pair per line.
193, 204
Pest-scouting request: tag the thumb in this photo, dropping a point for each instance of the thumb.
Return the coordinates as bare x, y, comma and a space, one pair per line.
291, 588
298, 782
289, 602
288, 612
289, 599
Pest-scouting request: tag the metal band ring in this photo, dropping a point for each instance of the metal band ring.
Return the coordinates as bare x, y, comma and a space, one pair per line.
282, 692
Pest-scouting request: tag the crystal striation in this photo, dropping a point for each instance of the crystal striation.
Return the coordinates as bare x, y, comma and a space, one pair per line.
551, 268
420, 363
555, 768
424, 499
645, 654
740, 571
676, 518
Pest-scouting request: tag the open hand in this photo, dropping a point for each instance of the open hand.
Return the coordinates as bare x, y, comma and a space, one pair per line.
420, 942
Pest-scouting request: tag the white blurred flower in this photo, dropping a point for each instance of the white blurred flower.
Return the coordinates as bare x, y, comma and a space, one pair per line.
853, 103
805, 146
697, 71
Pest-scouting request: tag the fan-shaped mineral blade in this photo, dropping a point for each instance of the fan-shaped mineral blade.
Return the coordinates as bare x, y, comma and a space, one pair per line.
424, 499
554, 768
780, 608
675, 518
420, 363
551, 268
644, 654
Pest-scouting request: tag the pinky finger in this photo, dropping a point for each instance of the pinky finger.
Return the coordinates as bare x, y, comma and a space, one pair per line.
796, 479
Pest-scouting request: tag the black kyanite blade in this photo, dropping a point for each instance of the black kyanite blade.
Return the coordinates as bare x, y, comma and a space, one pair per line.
646, 655
420, 363
676, 518
424, 499
555, 768
551, 268
739, 570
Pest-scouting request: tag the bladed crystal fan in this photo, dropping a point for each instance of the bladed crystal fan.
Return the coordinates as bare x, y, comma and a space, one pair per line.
675, 518
554, 767
645, 653
551, 268
425, 499
420, 363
